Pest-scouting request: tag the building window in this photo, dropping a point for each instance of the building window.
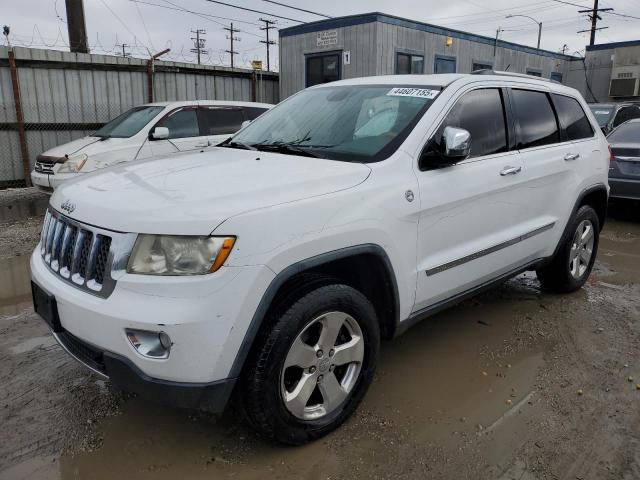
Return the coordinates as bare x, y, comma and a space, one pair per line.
409, 63
557, 76
444, 64
481, 66
535, 73
323, 68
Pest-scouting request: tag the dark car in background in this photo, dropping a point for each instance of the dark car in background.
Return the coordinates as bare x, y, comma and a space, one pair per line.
624, 170
610, 115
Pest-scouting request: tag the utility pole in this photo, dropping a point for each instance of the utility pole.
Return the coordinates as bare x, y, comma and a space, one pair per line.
594, 17
495, 46
232, 38
124, 52
267, 26
565, 47
198, 42
77, 26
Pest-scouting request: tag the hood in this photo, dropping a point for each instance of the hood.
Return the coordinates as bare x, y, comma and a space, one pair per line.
86, 145
190, 194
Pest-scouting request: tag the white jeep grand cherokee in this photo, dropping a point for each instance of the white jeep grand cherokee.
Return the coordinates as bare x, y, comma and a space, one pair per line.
266, 271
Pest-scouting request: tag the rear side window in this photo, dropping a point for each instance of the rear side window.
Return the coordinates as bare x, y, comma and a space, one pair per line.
253, 112
537, 124
481, 113
626, 113
181, 123
572, 118
221, 121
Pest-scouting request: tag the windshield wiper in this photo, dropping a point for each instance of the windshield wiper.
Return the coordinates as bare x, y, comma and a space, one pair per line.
230, 144
287, 148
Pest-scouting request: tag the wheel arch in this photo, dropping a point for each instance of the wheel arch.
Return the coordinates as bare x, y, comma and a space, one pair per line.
351, 265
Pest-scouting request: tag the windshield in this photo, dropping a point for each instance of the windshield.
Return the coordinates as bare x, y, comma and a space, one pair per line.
363, 123
626, 133
602, 114
129, 123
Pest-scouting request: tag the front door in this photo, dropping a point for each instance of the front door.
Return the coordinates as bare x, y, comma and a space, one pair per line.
470, 212
184, 132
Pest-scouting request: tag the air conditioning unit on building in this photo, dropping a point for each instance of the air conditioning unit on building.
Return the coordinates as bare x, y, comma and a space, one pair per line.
625, 81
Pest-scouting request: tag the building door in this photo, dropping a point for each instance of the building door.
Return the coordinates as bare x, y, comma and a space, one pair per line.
444, 64
323, 68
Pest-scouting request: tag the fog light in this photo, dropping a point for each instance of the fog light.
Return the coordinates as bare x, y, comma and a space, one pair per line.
150, 344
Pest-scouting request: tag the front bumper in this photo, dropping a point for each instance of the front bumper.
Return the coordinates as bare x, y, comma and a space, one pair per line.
211, 397
624, 188
205, 316
48, 182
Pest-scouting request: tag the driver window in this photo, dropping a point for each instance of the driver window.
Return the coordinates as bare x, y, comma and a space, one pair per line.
481, 113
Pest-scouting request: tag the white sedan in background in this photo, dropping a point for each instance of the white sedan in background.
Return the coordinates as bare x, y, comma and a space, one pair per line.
147, 130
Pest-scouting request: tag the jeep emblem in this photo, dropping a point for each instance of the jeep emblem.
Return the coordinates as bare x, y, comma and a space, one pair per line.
68, 206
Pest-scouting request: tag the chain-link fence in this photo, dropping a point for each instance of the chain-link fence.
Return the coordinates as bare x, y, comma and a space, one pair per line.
46, 126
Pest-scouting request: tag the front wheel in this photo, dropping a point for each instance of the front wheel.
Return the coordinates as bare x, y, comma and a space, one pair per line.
572, 264
313, 366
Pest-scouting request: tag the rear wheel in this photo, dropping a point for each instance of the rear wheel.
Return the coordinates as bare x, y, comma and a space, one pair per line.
313, 366
570, 268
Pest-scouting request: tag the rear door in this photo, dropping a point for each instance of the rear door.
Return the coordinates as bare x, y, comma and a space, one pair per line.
220, 123
550, 174
468, 224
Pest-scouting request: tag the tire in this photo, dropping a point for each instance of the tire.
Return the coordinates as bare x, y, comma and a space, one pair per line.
275, 373
562, 274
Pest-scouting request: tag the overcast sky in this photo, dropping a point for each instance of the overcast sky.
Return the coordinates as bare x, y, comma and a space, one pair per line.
158, 24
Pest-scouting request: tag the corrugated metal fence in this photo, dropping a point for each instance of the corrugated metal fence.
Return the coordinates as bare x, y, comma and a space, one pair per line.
67, 95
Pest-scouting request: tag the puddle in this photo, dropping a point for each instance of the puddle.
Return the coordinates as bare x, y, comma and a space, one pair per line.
15, 285
444, 378
619, 252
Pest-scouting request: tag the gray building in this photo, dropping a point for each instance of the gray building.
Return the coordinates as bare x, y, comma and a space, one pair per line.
612, 72
380, 44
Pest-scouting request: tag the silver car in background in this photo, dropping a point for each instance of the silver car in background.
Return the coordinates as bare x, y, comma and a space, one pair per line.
624, 170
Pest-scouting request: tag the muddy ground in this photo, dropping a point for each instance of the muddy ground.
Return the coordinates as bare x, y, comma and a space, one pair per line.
513, 384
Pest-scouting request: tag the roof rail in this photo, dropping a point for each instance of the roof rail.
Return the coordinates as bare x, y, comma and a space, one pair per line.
488, 71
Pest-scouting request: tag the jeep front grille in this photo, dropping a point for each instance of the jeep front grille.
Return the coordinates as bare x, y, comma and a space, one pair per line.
83, 255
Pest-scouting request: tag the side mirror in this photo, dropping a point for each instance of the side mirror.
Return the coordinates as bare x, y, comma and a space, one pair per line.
452, 147
159, 133
456, 143
245, 123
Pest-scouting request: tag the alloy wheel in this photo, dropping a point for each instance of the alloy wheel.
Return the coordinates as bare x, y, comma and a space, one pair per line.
322, 366
581, 249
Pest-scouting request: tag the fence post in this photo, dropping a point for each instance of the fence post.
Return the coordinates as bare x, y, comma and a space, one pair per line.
150, 80
253, 86
22, 135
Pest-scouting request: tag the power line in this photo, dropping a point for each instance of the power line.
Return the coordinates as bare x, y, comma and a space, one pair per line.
267, 26
254, 11
299, 9
120, 20
204, 16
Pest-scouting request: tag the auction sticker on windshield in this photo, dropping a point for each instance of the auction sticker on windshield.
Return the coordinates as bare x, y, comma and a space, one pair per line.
413, 92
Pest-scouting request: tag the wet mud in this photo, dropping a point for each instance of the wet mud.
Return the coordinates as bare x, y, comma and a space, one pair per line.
514, 383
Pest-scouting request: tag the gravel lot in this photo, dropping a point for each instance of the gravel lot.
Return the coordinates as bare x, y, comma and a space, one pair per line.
513, 384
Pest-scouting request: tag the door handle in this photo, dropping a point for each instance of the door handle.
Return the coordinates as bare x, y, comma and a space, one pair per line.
571, 156
510, 171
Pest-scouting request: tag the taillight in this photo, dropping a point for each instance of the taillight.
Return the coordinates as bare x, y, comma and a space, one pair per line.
611, 157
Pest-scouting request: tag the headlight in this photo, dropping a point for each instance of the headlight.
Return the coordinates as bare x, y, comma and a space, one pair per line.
73, 164
178, 255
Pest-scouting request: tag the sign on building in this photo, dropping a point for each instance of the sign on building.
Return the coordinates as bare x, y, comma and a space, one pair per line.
327, 38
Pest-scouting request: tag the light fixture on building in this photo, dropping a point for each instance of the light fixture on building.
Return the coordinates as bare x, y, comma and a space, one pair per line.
449, 41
